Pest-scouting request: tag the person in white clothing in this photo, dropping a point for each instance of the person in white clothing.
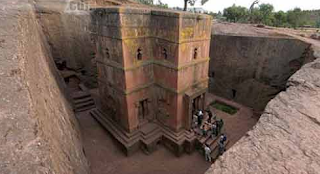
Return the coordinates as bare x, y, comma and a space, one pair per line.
207, 152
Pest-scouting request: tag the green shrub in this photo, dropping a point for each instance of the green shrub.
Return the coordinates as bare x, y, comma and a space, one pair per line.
224, 107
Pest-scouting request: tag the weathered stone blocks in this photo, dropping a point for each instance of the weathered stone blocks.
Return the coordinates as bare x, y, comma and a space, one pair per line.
151, 58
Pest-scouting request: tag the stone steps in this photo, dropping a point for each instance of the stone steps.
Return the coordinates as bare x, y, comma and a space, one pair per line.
179, 138
84, 104
150, 133
211, 142
122, 136
85, 108
203, 140
109, 119
88, 102
147, 135
215, 151
82, 101
80, 95
207, 139
110, 128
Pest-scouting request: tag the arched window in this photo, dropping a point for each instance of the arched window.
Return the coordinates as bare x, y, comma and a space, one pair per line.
107, 53
195, 53
164, 53
139, 54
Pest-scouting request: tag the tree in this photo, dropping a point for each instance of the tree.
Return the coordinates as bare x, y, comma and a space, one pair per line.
264, 13
253, 4
147, 2
318, 23
216, 15
280, 19
192, 2
235, 13
267, 13
161, 4
151, 3
294, 17
256, 16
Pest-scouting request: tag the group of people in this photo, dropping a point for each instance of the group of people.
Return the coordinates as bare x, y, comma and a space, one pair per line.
212, 126
221, 144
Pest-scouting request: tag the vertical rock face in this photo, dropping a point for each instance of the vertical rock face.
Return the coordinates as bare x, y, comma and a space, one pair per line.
69, 37
68, 34
253, 69
38, 130
286, 138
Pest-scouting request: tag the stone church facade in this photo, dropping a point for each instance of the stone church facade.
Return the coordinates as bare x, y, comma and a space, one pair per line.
152, 65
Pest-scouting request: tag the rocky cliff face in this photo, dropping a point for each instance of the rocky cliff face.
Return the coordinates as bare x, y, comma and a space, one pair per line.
286, 138
38, 130
67, 32
253, 69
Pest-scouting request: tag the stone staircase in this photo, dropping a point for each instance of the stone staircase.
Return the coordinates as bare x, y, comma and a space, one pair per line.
150, 134
147, 136
211, 142
215, 150
82, 100
183, 140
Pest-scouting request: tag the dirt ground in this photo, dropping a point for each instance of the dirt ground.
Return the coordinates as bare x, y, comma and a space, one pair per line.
238, 124
106, 157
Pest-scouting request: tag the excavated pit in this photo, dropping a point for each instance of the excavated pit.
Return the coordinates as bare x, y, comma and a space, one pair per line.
246, 70
41, 135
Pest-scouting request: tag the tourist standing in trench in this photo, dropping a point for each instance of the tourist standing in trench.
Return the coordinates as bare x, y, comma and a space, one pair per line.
214, 131
200, 117
207, 153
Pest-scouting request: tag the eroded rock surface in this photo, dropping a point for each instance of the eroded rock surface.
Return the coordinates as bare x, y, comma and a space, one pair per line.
252, 67
38, 130
286, 138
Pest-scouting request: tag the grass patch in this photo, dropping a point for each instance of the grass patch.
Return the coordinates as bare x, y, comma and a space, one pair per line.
224, 107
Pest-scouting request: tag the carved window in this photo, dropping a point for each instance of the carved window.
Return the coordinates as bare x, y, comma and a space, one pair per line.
164, 53
139, 54
195, 53
83, 72
107, 53
143, 109
234, 93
